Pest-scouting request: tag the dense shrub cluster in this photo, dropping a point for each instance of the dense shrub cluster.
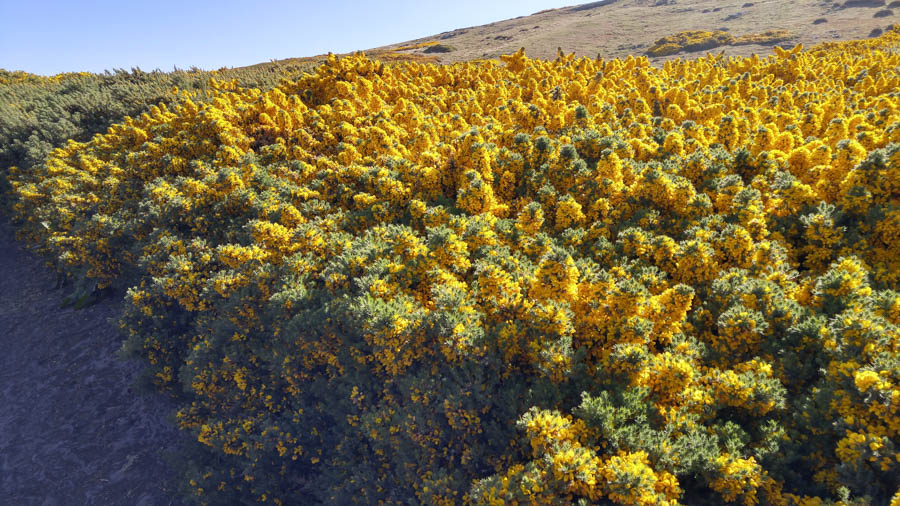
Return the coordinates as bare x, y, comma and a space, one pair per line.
532, 282
42, 113
701, 40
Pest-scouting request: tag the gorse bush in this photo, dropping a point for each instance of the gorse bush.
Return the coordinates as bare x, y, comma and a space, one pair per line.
766, 37
440, 48
528, 282
691, 40
42, 113
700, 40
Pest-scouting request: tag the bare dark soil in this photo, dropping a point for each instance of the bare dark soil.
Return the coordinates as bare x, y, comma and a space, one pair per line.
72, 429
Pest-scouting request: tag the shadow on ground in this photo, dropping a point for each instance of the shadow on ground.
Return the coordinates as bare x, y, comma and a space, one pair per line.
72, 430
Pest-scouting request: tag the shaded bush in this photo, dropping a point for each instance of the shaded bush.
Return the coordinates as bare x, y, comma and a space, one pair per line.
440, 48
864, 3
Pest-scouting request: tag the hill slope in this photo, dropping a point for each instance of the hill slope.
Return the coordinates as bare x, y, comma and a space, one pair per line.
618, 28
613, 28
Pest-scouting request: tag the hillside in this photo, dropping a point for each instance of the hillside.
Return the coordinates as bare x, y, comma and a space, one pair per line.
619, 28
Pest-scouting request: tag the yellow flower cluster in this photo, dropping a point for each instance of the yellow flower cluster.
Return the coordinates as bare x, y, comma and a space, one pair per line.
740, 478
699, 40
363, 277
18, 76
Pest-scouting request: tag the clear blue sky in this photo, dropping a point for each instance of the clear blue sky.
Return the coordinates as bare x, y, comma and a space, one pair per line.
48, 37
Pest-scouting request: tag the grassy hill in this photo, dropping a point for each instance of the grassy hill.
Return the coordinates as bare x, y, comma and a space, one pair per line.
618, 28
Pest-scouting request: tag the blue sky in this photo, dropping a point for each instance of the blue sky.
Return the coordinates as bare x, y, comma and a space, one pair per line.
48, 37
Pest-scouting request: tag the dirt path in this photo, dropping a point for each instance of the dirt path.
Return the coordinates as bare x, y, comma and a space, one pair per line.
71, 429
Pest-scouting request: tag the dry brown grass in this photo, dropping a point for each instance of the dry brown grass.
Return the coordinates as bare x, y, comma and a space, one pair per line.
618, 28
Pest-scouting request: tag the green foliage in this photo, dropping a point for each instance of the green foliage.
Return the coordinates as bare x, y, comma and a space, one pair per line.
39, 114
439, 48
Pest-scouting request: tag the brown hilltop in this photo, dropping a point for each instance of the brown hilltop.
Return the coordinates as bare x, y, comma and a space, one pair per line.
618, 28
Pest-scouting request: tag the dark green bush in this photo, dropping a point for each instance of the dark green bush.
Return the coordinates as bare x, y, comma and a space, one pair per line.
440, 48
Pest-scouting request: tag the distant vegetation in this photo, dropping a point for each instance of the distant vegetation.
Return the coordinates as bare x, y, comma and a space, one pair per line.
532, 282
699, 40
440, 48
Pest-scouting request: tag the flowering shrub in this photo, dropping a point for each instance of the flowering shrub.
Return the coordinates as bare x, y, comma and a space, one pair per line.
42, 113
766, 37
532, 281
699, 40
690, 40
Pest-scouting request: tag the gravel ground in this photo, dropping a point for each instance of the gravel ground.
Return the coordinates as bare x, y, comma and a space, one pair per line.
72, 430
